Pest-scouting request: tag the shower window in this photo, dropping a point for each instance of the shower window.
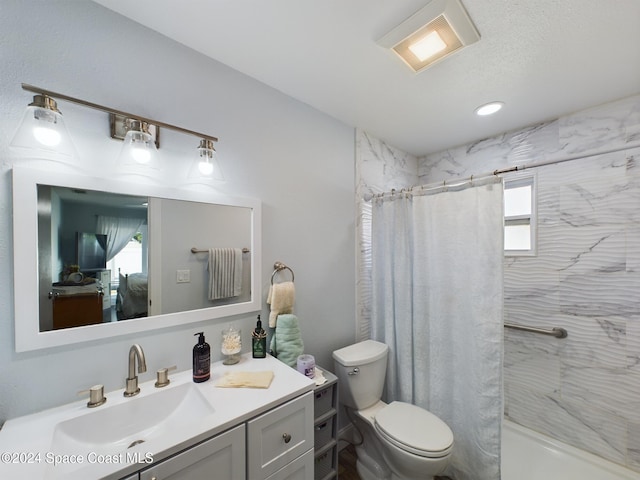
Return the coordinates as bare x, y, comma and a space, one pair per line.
519, 215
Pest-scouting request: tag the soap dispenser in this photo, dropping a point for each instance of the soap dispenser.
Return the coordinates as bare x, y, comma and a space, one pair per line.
201, 360
259, 341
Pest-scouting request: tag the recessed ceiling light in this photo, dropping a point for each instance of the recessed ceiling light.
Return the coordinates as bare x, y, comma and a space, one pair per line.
439, 29
489, 108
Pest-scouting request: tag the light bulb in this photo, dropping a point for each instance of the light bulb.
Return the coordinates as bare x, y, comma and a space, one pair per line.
139, 145
205, 167
47, 136
140, 154
207, 162
46, 126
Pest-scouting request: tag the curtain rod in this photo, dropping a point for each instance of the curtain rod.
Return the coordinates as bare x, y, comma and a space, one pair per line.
458, 182
61, 96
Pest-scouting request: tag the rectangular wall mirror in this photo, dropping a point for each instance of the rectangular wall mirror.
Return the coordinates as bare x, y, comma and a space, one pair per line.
96, 258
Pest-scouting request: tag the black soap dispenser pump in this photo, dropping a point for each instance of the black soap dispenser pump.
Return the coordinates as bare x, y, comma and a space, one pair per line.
259, 341
201, 360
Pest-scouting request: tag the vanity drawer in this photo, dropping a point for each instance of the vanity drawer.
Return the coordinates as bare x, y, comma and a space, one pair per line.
324, 400
279, 436
300, 469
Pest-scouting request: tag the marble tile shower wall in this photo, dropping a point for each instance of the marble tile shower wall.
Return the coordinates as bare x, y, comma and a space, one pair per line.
583, 390
379, 168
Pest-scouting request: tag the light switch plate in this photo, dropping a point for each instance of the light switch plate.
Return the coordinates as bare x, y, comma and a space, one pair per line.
183, 276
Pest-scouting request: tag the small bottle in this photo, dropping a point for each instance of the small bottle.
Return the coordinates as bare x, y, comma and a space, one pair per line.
201, 360
259, 341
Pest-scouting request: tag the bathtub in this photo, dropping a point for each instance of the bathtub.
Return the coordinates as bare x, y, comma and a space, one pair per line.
527, 455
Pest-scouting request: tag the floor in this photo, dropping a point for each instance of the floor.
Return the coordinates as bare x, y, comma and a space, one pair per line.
347, 465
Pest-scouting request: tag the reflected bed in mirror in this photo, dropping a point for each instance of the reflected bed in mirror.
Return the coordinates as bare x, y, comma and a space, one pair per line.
96, 258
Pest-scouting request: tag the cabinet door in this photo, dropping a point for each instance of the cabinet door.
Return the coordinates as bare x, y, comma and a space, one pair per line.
76, 310
299, 469
279, 436
220, 458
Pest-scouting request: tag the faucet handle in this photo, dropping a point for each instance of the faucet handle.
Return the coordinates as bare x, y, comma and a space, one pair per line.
163, 376
96, 396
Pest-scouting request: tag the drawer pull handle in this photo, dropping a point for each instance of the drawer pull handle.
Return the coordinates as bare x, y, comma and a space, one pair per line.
286, 437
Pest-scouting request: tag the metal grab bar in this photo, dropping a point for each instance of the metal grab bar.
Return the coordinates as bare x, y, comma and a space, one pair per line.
557, 332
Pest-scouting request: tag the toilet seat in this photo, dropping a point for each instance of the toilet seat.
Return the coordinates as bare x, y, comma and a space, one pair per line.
414, 430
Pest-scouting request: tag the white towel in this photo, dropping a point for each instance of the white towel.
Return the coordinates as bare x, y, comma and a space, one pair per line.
225, 273
282, 297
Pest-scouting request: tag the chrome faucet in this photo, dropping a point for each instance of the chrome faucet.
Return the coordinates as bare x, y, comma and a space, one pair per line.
132, 381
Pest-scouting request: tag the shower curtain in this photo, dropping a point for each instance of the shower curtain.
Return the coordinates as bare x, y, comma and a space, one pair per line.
437, 302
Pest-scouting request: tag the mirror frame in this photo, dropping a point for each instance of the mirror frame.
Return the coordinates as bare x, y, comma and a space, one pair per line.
25, 259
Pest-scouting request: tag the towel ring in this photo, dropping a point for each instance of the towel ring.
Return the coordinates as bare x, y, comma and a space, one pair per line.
279, 266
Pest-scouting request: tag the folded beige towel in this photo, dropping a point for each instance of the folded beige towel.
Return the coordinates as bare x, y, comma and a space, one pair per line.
281, 297
246, 380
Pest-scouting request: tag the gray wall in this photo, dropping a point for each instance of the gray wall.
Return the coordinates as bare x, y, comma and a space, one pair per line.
298, 161
187, 225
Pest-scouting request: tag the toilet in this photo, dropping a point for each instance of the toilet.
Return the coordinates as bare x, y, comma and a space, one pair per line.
399, 440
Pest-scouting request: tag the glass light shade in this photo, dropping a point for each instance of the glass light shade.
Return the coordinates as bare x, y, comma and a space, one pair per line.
139, 149
205, 164
43, 132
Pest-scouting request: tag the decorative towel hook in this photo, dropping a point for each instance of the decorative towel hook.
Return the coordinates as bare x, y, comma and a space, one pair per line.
279, 266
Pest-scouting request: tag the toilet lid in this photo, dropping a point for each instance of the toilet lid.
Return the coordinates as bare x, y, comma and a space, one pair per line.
414, 429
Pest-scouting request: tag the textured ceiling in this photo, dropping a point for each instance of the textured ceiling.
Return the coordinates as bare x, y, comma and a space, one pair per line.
543, 58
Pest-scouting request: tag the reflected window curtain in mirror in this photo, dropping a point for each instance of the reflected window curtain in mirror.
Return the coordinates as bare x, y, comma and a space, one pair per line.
119, 232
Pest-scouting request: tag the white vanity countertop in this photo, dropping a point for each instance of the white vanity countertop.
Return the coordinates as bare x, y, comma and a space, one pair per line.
26, 443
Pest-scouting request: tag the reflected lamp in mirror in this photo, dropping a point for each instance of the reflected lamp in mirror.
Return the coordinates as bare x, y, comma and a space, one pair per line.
205, 163
43, 132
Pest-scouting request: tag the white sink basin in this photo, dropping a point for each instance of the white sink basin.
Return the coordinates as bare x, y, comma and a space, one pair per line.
110, 429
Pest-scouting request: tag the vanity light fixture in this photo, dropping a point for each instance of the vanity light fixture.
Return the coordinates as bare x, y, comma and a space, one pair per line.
138, 143
140, 140
440, 28
489, 108
207, 161
43, 131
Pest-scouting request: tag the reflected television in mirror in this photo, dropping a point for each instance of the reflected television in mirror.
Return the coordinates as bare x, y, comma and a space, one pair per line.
91, 251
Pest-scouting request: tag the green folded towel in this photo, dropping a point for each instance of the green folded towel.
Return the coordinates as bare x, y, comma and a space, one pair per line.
286, 342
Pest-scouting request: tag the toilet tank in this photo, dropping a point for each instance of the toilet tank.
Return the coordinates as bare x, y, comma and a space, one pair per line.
361, 369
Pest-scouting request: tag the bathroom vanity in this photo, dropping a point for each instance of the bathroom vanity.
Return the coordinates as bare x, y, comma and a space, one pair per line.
184, 430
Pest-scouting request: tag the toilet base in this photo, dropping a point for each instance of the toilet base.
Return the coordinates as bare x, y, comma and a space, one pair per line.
366, 474
370, 469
